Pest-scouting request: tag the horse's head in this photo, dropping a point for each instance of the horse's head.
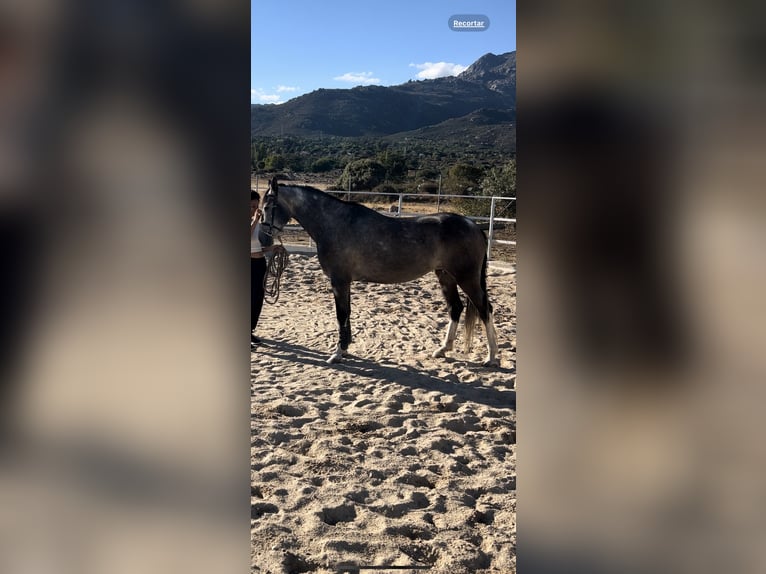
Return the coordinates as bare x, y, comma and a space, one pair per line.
275, 216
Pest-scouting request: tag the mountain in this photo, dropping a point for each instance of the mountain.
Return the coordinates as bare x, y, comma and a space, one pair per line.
489, 83
483, 128
498, 73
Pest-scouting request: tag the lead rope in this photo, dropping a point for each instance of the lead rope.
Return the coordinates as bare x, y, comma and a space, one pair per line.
273, 277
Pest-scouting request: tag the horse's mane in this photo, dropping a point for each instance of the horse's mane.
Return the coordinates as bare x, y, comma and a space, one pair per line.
324, 193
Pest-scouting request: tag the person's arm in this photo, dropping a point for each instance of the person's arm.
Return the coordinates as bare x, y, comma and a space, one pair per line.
255, 217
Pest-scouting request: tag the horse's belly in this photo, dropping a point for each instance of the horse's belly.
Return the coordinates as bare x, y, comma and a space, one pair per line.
382, 264
392, 274
389, 279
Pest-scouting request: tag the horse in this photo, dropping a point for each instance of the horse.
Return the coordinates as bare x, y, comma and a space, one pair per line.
355, 243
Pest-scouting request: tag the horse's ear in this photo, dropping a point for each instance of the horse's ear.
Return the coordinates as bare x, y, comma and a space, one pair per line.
273, 185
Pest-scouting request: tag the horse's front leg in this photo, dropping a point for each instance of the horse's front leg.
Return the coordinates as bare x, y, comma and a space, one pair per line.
341, 290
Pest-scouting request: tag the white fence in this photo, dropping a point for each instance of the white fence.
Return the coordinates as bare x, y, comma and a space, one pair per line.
491, 221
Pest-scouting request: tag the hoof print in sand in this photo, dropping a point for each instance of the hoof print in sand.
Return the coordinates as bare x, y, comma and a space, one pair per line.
290, 410
258, 509
298, 564
417, 501
336, 514
415, 480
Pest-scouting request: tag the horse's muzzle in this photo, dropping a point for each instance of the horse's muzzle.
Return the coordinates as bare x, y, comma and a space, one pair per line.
269, 229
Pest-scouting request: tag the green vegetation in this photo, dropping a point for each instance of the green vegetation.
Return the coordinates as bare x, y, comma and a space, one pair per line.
463, 178
501, 181
391, 167
429, 157
362, 175
498, 181
324, 164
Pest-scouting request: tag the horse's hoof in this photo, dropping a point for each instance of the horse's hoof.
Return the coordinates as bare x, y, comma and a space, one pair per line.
438, 354
491, 363
334, 359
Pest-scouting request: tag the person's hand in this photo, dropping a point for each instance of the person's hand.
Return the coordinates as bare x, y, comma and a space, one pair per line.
279, 249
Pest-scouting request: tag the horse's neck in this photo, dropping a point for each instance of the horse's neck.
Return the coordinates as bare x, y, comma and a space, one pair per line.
308, 208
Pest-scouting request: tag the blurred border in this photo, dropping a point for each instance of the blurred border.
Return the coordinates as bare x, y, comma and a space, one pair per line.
124, 171
640, 273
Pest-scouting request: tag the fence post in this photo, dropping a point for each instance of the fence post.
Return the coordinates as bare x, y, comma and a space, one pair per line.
439, 196
399, 213
491, 227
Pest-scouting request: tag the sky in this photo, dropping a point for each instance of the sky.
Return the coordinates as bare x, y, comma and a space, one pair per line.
298, 46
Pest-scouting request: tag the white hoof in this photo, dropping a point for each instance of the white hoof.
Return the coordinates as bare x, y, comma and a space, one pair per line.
337, 355
438, 353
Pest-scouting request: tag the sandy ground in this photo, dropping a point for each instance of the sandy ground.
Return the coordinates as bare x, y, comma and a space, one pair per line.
392, 457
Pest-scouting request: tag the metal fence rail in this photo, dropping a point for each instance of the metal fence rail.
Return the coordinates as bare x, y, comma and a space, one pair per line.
492, 219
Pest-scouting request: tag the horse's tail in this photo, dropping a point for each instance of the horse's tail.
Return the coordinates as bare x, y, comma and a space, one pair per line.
472, 315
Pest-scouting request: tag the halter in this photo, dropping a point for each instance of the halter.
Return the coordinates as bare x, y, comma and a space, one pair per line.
278, 261
271, 197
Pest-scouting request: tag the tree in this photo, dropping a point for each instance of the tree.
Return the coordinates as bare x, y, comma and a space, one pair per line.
274, 162
395, 164
502, 181
257, 156
362, 174
462, 178
324, 164
499, 182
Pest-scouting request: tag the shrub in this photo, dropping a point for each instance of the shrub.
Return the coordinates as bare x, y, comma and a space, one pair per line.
363, 174
462, 178
324, 164
497, 182
274, 162
428, 187
393, 193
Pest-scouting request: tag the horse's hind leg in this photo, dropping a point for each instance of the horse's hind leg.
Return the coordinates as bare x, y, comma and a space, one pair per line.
455, 306
341, 290
479, 305
489, 327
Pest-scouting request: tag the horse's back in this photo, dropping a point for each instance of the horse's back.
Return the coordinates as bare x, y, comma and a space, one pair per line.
456, 231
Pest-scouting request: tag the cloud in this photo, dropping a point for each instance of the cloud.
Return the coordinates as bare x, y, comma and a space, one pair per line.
431, 70
281, 89
258, 96
357, 78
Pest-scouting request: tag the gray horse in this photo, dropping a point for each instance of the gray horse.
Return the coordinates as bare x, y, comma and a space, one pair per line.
355, 243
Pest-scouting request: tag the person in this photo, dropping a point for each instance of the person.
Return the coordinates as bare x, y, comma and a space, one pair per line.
257, 264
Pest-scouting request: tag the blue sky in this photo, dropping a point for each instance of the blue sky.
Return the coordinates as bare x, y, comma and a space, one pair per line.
298, 46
